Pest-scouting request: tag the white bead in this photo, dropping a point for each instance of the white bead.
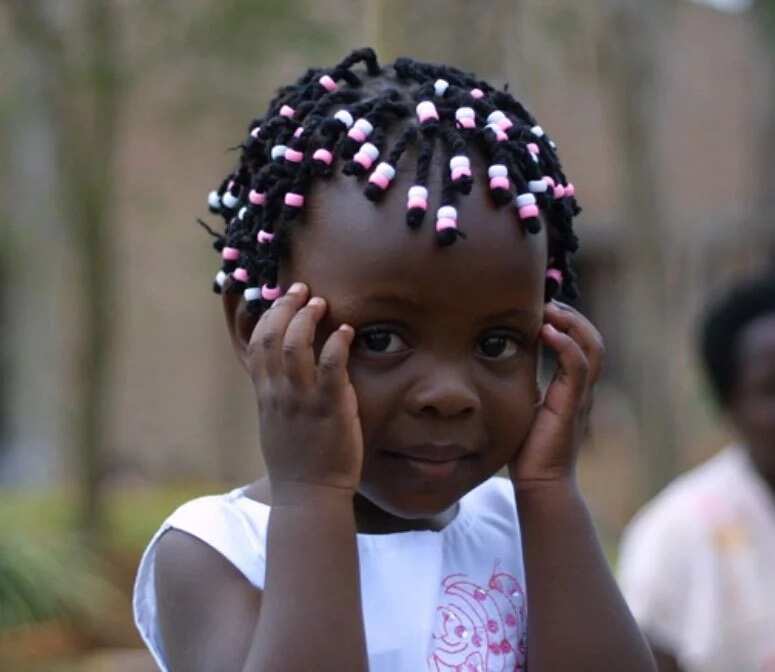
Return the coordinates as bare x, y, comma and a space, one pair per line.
213, 200
418, 191
242, 212
426, 107
495, 117
534, 157
369, 150
440, 86
495, 129
537, 131
220, 278
552, 144
447, 212
525, 199
386, 169
364, 125
252, 293
345, 117
465, 113
497, 170
278, 152
229, 200
537, 186
459, 162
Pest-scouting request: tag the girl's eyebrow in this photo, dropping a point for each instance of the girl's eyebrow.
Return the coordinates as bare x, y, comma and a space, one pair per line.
388, 299
513, 314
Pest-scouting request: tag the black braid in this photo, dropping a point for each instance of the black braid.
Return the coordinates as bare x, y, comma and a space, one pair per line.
312, 118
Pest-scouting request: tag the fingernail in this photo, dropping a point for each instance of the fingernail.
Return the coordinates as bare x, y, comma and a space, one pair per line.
316, 301
296, 288
346, 327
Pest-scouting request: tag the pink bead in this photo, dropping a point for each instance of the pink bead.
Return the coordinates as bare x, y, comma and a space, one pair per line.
528, 211
570, 189
363, 159
240, 274
323, 155
477, 93
327, 83
270, 293
457, 173
256, 197
500, 136
230, 253
554, 274
356, 134
417, 202
426, 110
264, 237
559, 191
294, 200
287, 111
499, 183
445, 223
549, 180
298, 131
380, 180
505, 124
466, 122
254, 133
294, 155
533, 148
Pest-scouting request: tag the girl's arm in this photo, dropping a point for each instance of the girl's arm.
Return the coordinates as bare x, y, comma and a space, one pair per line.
577, 618
309, 616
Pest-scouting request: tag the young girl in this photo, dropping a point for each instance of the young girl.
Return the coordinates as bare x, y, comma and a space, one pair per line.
393, 342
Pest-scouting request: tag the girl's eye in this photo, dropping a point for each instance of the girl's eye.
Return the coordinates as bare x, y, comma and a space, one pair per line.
380, 341
497, 347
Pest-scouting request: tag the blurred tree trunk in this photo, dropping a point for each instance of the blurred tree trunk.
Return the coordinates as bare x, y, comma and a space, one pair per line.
77, 44
468, 35
646, 302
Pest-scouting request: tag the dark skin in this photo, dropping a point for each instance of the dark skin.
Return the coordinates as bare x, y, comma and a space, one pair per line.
394, 380
751, 411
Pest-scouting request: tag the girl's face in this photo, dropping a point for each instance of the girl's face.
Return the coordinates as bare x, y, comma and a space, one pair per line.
445, 355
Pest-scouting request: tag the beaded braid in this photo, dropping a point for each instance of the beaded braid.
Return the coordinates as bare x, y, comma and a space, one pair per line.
328, 114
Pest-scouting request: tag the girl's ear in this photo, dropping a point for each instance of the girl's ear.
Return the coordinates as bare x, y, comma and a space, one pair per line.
240, 324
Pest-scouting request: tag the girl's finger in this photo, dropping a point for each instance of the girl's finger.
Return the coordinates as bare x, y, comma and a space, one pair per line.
580, 329
332, 364
567, 391
267, 337
298, 352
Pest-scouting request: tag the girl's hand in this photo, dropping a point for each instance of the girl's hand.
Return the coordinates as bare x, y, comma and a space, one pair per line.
548, 455
308, 413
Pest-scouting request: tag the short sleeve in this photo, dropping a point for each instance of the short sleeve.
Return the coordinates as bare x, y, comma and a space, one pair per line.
655, 575
234, 527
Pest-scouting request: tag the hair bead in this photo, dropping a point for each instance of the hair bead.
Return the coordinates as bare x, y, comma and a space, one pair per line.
366, 155
465, 117
240, 274
323, 155
440, 86
361, 129
523, 200
230, 253
264, 237
477, 93
270, 293
426, 111
537, 186
328, 83
252, 294
559, 191
278, 152
294, 155
345, 117
460, 167
256, 197
229, 200
553, 282
499, 133
537, 131
293, 200
220, 278
214, 202
570, 189
287, 111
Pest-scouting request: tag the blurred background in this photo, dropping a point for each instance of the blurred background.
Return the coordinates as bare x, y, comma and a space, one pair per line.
119, 395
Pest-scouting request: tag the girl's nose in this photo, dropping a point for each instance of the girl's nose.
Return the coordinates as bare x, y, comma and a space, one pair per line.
443, 391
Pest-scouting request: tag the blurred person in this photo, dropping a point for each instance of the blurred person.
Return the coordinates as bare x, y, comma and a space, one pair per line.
697, 564
395, 368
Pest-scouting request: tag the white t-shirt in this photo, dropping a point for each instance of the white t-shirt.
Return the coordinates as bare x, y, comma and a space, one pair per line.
445, 601
697, 568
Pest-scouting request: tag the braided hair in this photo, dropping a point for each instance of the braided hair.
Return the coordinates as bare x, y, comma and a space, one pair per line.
337, 114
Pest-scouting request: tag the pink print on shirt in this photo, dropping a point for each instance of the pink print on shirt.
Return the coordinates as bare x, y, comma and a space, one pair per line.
480, 628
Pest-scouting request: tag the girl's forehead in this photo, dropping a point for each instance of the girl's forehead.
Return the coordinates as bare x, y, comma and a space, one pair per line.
346, 242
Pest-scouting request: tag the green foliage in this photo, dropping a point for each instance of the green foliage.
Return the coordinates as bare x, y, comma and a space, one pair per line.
44, 581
